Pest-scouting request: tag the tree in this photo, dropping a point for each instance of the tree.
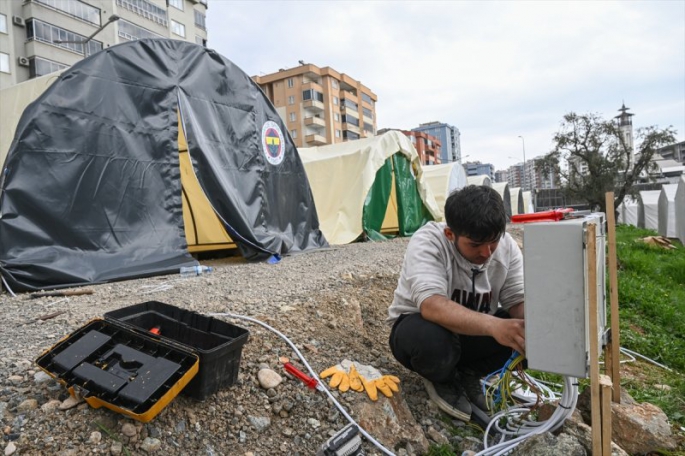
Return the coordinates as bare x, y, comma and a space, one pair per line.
597, 157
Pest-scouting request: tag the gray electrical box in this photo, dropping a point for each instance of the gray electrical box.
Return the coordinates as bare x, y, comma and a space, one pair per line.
557, 295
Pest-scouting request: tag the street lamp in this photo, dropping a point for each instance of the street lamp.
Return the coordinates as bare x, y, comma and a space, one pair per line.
83, 43
523, 142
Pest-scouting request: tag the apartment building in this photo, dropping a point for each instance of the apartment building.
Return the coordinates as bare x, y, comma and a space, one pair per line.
320, 105
449, 137
477, 169
38, 37
427, 146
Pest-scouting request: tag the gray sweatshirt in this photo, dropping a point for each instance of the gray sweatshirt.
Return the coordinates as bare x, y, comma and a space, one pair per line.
433, 266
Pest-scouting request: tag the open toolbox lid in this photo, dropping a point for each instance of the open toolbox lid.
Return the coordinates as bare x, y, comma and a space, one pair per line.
129, 372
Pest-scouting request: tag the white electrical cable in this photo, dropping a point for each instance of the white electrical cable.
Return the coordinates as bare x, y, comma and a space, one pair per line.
632, 353
313, 374
515, 426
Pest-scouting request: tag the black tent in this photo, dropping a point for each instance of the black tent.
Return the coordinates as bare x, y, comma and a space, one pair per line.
91, 189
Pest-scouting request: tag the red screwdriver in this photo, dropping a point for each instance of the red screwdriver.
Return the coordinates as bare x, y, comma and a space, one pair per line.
306, 379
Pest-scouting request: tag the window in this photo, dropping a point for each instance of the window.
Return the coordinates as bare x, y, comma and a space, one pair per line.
129, 31
40, 67
367, 98
350, 104
337, 133
200, 20
334, 83
201, 41
146, 9
178, 29
336, 116
367, 112
47, 33
350, 135
178, 4
291, 83
368, 127
293, 133
79, 10
293, 117
350, 120
4, 63
312, 94
291, 100
335, 101
3, 23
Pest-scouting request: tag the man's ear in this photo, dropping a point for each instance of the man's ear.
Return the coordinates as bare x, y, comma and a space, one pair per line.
450, 234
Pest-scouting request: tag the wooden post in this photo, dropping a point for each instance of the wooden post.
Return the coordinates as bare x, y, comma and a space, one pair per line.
605, 383
612, 353
595, 402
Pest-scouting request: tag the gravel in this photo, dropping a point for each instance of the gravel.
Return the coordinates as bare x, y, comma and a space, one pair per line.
330, 303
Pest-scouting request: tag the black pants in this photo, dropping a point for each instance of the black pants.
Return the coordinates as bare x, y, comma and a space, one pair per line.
436, 353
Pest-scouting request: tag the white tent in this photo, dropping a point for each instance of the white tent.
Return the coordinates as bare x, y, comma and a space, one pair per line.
14, 100
680, 210
342, 175
528, 202
503, 190
627, 211
667, 210
648, 209
480, 179
517, 205
443, 180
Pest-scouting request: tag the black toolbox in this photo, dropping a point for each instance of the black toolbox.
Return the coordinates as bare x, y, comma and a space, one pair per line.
138, 358
218, 343
127, 371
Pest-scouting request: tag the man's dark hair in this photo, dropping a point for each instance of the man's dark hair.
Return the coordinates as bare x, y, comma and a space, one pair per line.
477, 212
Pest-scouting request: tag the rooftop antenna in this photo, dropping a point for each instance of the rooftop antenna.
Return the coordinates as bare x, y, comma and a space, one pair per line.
301, 62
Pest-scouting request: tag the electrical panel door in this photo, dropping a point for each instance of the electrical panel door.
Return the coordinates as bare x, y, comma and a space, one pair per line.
556, 294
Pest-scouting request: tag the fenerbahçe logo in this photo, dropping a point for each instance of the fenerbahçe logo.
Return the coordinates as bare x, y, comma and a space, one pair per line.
273, 143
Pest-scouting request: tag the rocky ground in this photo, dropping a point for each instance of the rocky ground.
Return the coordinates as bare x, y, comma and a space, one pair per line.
331, 304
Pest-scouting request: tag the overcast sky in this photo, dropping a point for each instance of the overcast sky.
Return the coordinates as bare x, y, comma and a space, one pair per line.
495, 70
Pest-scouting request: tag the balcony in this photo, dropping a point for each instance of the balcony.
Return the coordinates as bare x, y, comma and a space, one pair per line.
315, 122
313, 105
350, 127
315, 140
350, 96
312, 85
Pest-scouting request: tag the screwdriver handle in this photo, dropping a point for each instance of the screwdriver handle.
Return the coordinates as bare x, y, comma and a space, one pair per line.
306, 379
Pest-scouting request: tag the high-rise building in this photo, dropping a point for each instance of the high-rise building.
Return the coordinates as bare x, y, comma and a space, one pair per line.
479, 169
427, 146
38, 37
449, 138
502, 176
320, 105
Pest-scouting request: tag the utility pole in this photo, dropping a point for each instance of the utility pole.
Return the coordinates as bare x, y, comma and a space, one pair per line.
523, 142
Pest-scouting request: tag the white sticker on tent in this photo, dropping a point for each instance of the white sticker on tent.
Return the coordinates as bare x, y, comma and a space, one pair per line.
273, 143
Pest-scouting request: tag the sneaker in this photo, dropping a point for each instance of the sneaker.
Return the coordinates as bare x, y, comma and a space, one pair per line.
449, 398
470, 381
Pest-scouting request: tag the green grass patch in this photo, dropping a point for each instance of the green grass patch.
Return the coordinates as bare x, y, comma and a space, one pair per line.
651, 294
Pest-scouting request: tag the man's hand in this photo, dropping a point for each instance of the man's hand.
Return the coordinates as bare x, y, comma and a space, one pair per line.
510, 333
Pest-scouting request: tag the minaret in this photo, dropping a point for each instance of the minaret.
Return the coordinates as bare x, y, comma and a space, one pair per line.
625, 124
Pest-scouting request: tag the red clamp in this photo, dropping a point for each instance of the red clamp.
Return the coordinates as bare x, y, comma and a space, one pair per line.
546, 216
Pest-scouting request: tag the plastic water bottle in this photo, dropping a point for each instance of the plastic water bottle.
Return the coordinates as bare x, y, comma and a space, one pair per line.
192, 271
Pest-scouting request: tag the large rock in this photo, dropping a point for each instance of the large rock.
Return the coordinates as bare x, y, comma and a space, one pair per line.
637, 428
547, 444
575, 427
390, 421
